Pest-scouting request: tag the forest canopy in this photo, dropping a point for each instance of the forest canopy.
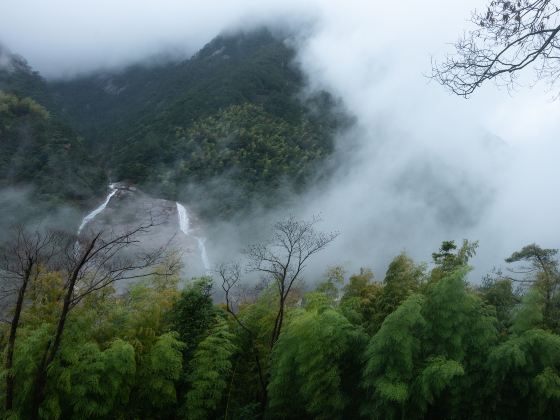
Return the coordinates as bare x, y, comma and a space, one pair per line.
420, 342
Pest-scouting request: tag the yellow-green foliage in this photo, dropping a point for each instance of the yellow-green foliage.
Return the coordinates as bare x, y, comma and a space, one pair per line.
11, 104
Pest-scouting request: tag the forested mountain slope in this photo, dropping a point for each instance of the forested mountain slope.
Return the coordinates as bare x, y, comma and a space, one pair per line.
233, 112
39, 151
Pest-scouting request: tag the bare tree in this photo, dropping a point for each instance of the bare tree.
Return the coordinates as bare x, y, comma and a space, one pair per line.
22, 258
281, 260
284, 258
98, 262
509, 36
230, 274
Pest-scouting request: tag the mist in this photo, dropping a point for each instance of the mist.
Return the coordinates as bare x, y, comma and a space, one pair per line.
423, 166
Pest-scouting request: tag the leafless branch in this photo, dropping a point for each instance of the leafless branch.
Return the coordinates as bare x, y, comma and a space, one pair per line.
509, 36
285, 257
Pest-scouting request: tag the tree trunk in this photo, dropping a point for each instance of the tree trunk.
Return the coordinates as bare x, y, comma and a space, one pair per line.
51, 351
10, 379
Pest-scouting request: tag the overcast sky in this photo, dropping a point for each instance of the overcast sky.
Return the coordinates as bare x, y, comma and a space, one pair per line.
373, 55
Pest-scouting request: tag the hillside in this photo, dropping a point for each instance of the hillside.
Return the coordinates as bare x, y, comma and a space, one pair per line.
232, 111
17, 77
38, 150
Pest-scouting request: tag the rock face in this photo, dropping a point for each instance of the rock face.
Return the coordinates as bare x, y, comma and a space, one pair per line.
172, 225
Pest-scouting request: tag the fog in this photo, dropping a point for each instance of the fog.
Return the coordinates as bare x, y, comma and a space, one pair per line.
425, 166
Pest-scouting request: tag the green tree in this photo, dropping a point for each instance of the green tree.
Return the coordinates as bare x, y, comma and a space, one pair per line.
194, 314
449, 257
460, 331
524, 369
402, 279
359, 299
210, 373
540, 267
498, 293
392, 357
315, 367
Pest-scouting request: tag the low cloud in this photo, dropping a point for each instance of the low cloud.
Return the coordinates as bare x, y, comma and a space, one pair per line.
424, 166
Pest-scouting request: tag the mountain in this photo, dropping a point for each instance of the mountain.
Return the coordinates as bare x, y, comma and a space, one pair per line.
39, 151
17, 77
224, 128
231, 113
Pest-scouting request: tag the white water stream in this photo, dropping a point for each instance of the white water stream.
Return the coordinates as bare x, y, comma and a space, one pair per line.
95, 212
184, 225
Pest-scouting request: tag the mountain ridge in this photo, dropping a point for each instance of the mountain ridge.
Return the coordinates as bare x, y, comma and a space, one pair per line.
162, 126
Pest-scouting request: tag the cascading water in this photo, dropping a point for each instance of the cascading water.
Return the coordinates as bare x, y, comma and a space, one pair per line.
203, 254
113, 190
184, 226
183, 218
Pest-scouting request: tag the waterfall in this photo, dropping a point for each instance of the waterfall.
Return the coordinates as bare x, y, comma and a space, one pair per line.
184, 226
203, 254
113, 190
183, 218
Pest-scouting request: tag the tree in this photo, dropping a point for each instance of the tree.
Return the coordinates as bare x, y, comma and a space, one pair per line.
426, 359
461, 330
210, 372
498, 292
540, 268
392, 357
282, 260
193, 314
92, 265
509, 36
523, 370
334, 278
403, 278
230, 275
22, 259
285, 256
315, 367
358, 303
450, 258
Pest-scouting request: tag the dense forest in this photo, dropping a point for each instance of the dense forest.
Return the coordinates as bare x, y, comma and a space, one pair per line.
233, 112
418, 342
101, 325
38, 150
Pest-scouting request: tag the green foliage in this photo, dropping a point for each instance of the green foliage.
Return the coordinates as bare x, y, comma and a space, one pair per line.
193, 314
530, 314
210, 372
255, 151
403, 278
315, 361
391, 357
90, 383
158, 371
156, 352
38, 150
534, 254
436, 376
449, 257
524, 371
231, 112
544, 273
425, 359
499, 294
358, 303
